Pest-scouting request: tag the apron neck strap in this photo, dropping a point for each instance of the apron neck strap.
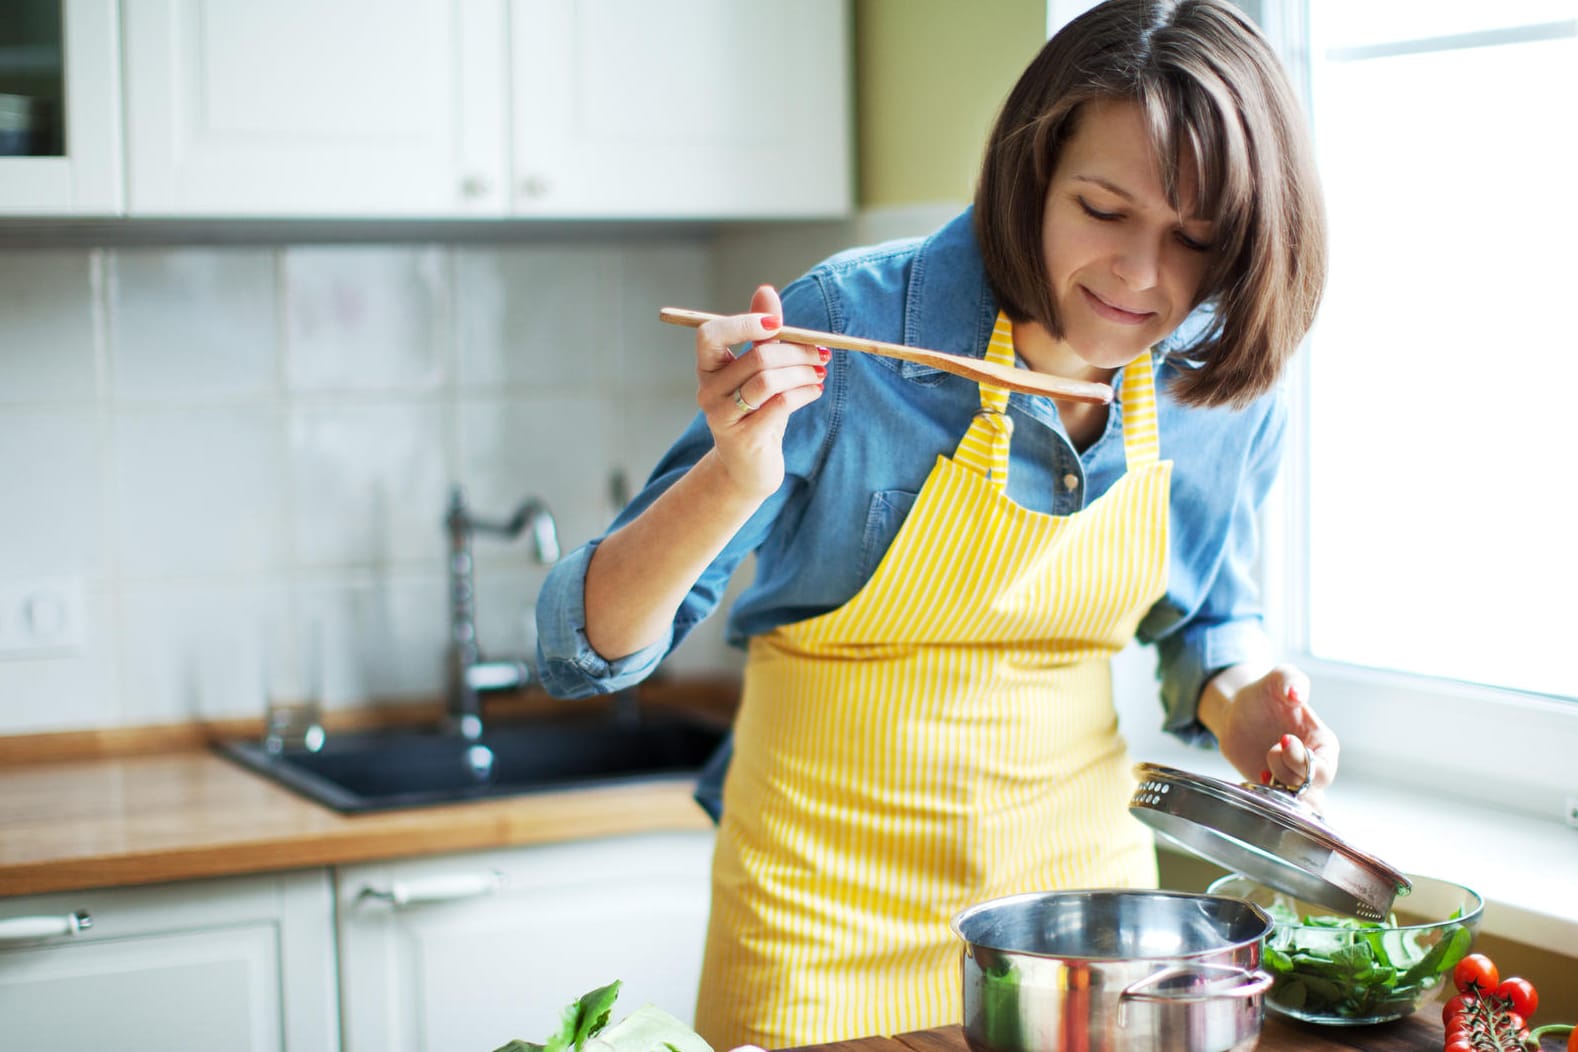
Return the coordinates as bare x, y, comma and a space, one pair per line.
984, 447
1137, 394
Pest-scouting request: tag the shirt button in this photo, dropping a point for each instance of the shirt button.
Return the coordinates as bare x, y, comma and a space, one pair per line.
1070, 481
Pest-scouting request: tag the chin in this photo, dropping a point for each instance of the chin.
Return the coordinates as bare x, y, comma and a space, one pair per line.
1109, 353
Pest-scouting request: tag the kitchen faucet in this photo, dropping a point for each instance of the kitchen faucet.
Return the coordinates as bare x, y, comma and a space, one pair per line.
468, 674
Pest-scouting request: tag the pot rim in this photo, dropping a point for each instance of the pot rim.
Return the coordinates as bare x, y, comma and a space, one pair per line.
957, 921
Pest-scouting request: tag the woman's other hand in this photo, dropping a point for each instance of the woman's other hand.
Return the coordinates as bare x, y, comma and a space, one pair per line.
1268, 731
748, 399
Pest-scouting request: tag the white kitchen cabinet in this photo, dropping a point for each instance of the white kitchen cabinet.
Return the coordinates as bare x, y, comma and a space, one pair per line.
244, 964
681, 108
488, 108
469, 951
315, 108
60, 75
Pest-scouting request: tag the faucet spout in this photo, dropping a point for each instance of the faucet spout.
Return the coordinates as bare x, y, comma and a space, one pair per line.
468, 674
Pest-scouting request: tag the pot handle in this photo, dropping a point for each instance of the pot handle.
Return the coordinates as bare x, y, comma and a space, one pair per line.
1225, 981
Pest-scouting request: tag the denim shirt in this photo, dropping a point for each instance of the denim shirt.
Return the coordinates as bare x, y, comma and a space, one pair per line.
856, 458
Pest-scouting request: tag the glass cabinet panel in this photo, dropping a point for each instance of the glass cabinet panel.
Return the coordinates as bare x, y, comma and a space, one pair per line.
32, 79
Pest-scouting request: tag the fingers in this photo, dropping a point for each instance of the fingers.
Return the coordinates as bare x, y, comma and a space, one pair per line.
715, 338
1306, 753
765, 300
770, 371
763, 385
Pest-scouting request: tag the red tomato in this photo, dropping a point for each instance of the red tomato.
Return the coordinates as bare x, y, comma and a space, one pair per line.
1476, 971
1460, 1043
1520, 992
1572, 1040
1459, 1005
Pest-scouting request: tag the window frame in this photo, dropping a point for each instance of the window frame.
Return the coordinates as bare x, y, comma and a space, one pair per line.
1507, 749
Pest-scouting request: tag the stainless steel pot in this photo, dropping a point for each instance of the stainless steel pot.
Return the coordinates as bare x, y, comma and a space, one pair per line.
1110, 970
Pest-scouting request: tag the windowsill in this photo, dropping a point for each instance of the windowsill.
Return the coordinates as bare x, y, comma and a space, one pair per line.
1524, 867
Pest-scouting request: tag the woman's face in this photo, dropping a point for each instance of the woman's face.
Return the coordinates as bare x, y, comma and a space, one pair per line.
1125, 267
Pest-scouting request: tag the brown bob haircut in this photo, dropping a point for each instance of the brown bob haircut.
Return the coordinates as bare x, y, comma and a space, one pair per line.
1216, 101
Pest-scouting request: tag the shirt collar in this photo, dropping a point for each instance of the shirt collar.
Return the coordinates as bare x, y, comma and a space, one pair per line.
949, 306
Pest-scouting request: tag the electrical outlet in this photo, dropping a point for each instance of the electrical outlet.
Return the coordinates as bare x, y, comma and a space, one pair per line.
43, 617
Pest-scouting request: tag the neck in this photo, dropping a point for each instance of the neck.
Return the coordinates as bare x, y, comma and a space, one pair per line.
1046, 354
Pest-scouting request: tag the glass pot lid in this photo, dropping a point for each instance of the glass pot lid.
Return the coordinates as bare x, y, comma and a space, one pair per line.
1268, 835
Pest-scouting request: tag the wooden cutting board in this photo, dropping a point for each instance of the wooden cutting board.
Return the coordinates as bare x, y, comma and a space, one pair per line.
1421, 1032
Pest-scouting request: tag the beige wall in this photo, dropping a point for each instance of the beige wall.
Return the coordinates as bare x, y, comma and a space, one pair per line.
930, 76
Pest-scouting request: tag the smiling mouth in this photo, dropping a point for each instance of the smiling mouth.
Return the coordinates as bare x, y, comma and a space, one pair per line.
1112, 313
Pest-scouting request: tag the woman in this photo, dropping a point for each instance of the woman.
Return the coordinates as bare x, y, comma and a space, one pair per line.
945, 570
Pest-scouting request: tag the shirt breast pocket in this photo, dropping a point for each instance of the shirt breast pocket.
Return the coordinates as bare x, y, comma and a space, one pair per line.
885, 514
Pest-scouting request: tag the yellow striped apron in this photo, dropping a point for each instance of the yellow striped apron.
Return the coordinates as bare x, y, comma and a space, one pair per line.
945, 737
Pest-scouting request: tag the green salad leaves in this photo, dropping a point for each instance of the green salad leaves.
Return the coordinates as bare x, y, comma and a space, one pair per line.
583, 1027
1354, 969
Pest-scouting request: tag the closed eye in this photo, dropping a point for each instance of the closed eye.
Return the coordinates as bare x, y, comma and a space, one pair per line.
1191, 244
1094, 213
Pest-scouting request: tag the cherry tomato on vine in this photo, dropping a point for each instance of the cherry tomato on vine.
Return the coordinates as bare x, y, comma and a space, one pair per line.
1459, 1005
1572, 1040
1460, 1043
1476, 971
1521, 993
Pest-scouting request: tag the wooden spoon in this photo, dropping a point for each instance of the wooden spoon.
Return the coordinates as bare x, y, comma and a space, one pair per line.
976, 369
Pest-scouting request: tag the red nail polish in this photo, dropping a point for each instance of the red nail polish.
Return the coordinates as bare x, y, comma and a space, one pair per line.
770, 323
1287, 741
824, 352
819, 387
1293, 695
821, 371
1265, 777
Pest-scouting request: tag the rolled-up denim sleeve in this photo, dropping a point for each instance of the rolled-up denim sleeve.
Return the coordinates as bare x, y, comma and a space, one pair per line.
1227, 627
567, 665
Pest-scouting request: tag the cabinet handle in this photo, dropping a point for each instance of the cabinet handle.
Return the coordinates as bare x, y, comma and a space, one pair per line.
450, 887
474, 186
17, 929
535, 186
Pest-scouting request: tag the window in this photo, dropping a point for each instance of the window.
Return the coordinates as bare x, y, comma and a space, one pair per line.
1428, 557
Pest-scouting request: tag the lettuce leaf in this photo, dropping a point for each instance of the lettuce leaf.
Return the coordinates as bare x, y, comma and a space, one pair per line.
583, 1027
648, 1029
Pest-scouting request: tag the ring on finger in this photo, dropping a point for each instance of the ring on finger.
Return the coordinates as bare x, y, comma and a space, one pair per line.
740, 403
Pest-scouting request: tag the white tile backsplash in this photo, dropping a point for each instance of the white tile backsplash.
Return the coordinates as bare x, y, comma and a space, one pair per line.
537, 318
196, 651
655, 357
368, 484
365, 319
67, 691
239, 448
200, 492
382, 635
192, 325
46, 327
52, 492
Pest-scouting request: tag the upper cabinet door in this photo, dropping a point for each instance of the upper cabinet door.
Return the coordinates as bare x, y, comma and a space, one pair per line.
681, 108
60, 135
313, 108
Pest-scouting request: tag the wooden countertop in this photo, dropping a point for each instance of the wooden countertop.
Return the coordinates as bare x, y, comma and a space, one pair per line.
118, 808
1420, 1033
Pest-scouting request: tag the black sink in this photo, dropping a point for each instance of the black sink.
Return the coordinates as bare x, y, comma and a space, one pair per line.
382, 770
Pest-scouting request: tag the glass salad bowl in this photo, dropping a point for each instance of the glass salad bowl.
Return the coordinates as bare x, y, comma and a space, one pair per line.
1335, 969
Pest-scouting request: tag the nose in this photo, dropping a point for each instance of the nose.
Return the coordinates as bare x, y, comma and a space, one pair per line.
1139, 263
